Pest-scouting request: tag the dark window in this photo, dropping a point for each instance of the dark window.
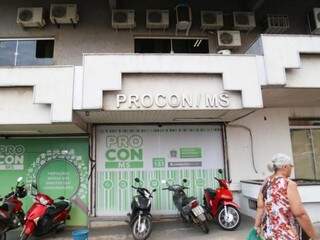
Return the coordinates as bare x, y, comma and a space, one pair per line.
190, 46
44, 48
152, 45
158, 45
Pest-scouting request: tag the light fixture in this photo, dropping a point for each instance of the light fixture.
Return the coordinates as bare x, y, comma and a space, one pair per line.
19, 132
197, 119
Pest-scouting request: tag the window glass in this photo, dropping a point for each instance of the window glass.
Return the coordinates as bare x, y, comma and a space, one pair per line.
28, 52
190, 46
152, 46
306, 152
7, 53
155, 45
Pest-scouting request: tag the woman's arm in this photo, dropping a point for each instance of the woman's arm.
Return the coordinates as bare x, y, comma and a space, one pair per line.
260, 210
299, 212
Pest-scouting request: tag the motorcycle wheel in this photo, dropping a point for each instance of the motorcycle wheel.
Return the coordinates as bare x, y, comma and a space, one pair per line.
204, 227
229, 221
144, 231
3, 236
23, 236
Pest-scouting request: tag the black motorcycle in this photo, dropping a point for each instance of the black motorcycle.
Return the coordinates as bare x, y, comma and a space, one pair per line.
11, 212
140, 217
189, 208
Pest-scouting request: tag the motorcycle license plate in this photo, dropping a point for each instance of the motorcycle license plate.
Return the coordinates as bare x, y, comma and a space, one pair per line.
197, 211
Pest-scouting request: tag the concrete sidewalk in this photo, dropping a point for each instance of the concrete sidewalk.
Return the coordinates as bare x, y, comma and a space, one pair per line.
170, 229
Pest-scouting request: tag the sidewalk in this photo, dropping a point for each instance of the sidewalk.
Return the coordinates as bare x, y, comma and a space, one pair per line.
173, 230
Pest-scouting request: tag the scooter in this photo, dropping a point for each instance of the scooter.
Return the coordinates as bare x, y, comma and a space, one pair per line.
11, 212
220, 205
45, 215
140, 217
189, 208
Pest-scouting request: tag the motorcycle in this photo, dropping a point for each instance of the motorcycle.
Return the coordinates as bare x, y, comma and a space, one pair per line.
11, 212
140, 217
220, 205
45, 215
189, 208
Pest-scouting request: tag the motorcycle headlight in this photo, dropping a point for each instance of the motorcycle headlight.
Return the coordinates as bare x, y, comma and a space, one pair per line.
43, 201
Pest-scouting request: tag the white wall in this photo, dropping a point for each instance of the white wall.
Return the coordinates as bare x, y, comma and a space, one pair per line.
270, 132
17, 107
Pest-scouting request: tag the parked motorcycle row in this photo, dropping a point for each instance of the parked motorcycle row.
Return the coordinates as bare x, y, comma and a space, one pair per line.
44, 216
47, 215
218, 206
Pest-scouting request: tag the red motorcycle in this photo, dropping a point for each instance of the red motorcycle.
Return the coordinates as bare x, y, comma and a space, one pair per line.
11, 212
45, 215
220, 205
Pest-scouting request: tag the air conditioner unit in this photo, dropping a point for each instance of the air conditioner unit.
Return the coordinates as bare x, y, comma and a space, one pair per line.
276, 24
211, 20
230, 39
244, 21
64, 14
157, 19
183, 18
314, 21
123, 19
30, 17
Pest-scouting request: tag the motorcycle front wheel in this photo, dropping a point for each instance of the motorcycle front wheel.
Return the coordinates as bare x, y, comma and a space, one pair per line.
204, 226
141, 227
23, 236
229, 218
3, 236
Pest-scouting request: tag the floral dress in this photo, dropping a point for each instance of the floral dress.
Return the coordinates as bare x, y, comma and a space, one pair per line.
278, 220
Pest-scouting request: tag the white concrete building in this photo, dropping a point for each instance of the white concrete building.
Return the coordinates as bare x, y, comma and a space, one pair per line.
154, 98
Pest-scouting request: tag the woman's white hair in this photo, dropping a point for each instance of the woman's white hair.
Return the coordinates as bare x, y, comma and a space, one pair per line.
278, 161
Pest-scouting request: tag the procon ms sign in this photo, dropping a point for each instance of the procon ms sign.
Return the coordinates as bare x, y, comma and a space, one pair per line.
173, 101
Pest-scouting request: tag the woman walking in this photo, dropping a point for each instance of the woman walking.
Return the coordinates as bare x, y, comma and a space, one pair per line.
280, 210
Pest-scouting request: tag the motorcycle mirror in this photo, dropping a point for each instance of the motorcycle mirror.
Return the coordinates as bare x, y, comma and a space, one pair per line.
137, 180
154, 190
184, 180
61, 198
230, 181
34, 185
220, 171
19, 179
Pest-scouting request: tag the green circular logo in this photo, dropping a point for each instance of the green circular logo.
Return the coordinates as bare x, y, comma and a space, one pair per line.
200, 182
108, 184
123, 184
57, 177
154, 183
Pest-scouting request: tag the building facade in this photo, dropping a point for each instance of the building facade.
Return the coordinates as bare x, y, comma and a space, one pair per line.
96, 93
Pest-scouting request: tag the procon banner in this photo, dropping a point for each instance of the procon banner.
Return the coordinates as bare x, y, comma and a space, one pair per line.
154, 153
59, 166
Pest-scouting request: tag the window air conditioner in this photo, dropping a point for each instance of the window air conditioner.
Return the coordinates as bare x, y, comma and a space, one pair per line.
314, 21
183, 18
276, 24
230, 39
211, 20
30, 17
157, 19
123, 19
64, 14
244, 21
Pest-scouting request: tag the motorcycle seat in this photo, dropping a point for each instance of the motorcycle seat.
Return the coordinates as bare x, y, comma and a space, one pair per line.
212, 193
57, 207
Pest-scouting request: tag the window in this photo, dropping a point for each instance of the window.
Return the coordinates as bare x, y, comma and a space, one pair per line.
306, 152
159, 45
26, 52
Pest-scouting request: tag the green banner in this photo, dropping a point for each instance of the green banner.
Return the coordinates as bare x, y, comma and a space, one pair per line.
58, 165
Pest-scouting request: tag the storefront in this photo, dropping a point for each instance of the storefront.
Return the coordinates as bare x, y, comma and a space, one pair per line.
59, 166
154, 153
